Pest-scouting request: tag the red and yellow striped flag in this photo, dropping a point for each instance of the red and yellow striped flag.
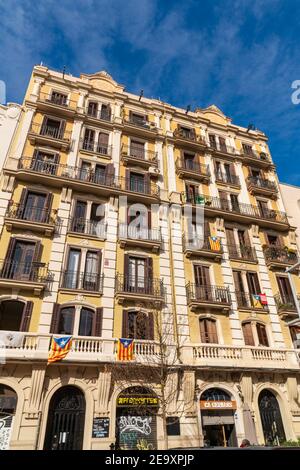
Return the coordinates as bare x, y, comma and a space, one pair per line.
60, 346
125, 349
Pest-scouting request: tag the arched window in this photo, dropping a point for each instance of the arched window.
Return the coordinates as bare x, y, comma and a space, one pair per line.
66, 321
255, 334
86, 322
215, 394
77, 321
208, 330
271, 418
15, 315
138, 325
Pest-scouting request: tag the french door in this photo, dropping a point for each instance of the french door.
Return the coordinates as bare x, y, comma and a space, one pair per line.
137, 274
19, 265
202, 283
34, 208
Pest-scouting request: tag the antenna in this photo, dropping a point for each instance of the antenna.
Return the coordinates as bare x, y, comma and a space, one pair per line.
141, 95
188, 108
64, 71
251, 127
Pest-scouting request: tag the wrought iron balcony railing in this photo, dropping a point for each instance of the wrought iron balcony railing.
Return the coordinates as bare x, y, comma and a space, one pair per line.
143, 123
139, 233
51, 131
95, 228
100, 114
19, 271
58, 99
139, 153
247, 300
242, 252
227, 178
285, 302
227, 149
139, 285
280, 255
212, 294
192, 166
235, 207
189, 135
261, 183
89, 176
88, 281
262, 156
32, 214
95, 147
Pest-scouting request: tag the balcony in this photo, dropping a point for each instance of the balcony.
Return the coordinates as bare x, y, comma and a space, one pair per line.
198, 246
57, 104
208, 297
239, 357
228, 179
259, 159
33, 276
143, 237
225, 151
237, 211
128, 288
49, 135
82, 281
188, 137
87, 227
84, 180
139, 126
262, 186
24, 217
286, 305
190, 169
99, 115
242, 253
247, 301
94, 147
279, 257
134, 155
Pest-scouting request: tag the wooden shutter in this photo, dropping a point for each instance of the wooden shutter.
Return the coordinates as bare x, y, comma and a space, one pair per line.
253, 283
127, 179
149, 272
47, 207
284, 287
62, 129
202, 275
37, 252
125, 324
55, 319
23, 198
97, 326
262, 335
26, 317
103, 139
208, 331
150, 326
247, 238
203, 334
248, 334
147, 183
10, 249
232, 169
238, 281
109, 173
149, 219
230, 236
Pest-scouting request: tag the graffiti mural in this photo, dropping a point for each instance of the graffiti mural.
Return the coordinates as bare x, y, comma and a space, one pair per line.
5, 430
137, 432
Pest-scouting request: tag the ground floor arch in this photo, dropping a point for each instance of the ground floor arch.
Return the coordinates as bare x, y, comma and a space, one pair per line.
271, 418
8, 405
66, 420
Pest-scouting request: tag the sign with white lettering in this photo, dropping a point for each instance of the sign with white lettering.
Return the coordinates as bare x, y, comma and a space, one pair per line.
217, 405
100, 427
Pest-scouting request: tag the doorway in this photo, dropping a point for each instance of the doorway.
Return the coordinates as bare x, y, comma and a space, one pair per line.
271, 418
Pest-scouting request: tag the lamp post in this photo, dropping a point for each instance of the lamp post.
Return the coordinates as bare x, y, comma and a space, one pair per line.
289, 273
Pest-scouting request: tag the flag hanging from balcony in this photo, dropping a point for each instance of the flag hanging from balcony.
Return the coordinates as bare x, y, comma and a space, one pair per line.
256, 301
125, 349
214, 243
263, 299
60, 346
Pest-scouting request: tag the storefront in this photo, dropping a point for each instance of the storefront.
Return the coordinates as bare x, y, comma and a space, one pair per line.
8, 403
136, 419
217, 410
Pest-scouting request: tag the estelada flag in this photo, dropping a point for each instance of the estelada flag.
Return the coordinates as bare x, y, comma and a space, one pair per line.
214, 243
125, 349
256, 301
60, 346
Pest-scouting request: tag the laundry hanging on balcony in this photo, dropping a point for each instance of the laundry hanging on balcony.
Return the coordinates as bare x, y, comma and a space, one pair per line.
214, 243
11, 339
125, 349
60, 346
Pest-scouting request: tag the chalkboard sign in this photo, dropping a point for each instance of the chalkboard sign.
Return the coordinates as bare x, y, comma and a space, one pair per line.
100, 427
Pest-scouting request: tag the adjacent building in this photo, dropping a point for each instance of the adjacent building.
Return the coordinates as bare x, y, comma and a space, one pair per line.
101, 195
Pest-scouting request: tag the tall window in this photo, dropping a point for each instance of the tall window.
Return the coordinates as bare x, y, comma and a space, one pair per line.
66, 321
138, 325
255, 334
79, 320
80, 275
92, 109
208, 330
248, 334
137, 149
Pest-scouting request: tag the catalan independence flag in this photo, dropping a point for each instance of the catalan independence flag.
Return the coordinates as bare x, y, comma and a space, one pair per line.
256, 301
60, 346
214, 243
125, 349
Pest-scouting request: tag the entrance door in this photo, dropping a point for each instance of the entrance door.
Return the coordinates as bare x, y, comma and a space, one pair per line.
65, 424
8, 403
271, 419
220, 435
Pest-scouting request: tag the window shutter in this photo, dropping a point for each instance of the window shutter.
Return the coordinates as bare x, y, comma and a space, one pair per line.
62, 129
232, 169
55, 319
10, 249
150, 268
253, 283
127, 179
262, 335
47, 207
103, 139
97, 327
23, 199
26, 317
238, 282
125, 324
248, 335
150, 326
247, 238
230, 236
126, 280
147, 184
149, 218
37, 252
212, 328
109, 173
203, 335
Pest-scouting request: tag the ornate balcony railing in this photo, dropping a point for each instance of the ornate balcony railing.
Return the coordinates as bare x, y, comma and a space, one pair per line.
227, 178
235, 207
280, 255
192, 166
89, 176
139, 233
262, 156
225, 149
99, 114
95, 228
32, 214
261, 183
285, 302
142, 123
212, 294
58, 99
51, 131
189, 135
247, 300
87, 281
95, 147
18, 271
139, 153
242, 252
139, 285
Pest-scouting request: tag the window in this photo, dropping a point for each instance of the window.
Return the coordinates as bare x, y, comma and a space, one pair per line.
285, 290
79, 219
212, 141
105, 112
173, 426
203, 290
234, 202
138, 119
263, 207
137, 149
262, 335
208, 331
189, 161
253, 283
92, 109
295, 335
59, 98
248, 334
44, 162
86, 322
53, 128
15, 315
138, 325
21, 260
103, 143
89, 139
255, 334
76, 320
191, 193
137, 182
247, 149
83, 270
222, 143
273, 240
35, 207
186, 132
138, 274
66, 321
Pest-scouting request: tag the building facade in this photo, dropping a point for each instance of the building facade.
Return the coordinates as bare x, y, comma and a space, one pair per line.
102, 192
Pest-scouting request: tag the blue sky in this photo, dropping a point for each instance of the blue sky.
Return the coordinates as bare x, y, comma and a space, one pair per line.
241, 55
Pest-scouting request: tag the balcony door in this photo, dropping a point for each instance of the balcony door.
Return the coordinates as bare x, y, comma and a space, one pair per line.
208, 331
71, 280
53, 128
18, 264
89, 139
137, 149
44, 162
263, 207
91, 271
34, 207
79, 220
285, 290
138, 274
202, 282
189, 161
103, 143
137, 182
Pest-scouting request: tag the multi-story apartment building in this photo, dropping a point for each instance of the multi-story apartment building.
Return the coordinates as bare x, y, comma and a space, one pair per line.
89, 158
